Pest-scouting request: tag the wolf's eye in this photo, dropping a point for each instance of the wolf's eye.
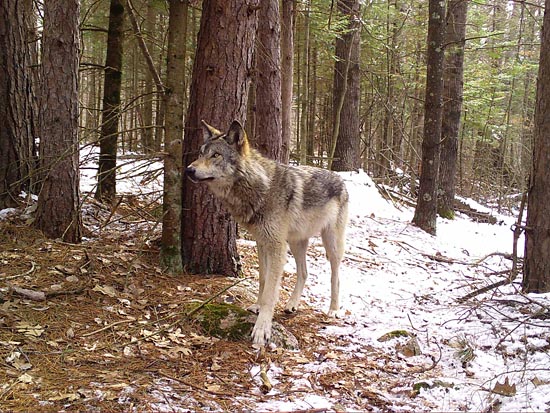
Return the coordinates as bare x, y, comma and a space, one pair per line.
216, 155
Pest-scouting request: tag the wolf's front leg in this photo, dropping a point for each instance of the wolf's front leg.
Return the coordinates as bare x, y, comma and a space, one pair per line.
273, 255
255, 308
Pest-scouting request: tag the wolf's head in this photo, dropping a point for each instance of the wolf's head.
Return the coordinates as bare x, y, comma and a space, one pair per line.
219, 155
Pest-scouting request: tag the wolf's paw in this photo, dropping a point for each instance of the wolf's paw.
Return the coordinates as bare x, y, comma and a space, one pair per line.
254, 308
334, 313
262, 331
291, 308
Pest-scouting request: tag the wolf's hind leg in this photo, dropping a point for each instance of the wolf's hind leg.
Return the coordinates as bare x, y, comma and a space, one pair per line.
333, 240
298, 249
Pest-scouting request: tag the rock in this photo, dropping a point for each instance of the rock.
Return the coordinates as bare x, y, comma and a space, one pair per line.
407, 344
231, 322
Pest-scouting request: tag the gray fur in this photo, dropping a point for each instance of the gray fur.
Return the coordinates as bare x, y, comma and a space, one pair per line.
277, 204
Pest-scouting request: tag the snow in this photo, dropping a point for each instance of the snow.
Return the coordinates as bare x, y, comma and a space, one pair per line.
391, 281
395, 286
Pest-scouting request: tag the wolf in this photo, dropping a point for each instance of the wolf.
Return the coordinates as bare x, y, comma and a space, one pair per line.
277, 204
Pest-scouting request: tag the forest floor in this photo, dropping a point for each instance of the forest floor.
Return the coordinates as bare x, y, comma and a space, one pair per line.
98, 326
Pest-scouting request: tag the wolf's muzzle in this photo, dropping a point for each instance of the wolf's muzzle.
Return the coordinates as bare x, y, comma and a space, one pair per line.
191, 173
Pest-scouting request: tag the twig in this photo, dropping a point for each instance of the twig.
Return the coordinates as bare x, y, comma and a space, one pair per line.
494, 254
266, 385
116, 323
210, 299
194, 386
11, 277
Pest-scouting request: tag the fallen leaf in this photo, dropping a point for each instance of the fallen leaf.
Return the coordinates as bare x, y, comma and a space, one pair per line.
505, 389
25, 378
106, 290
29, 329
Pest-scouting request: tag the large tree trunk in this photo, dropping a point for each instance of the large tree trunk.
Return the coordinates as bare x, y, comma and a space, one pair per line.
452, 106
287, 75
268, 125
219, 89
346, 151
106, 176
174, 95
18, 112
425, 214
536, 271
58, 211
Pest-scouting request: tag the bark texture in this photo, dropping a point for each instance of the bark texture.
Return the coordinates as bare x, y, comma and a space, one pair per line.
453, 85
268, 125
425, 214
174, 95
287, 75
58, 211
219, 90
347, 82
18, 111
536, 270
106, 176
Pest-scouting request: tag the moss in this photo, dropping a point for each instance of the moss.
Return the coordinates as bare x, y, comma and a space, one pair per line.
395, 334
446, 213
225, 321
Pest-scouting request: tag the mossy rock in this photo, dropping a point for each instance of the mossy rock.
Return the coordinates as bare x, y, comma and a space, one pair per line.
394, 334
407, 344
231, 322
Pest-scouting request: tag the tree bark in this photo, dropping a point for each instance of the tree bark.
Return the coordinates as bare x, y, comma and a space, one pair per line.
453, 81
18, 111
170, 254
425, 214
147, 135
347, 82
536, 270
219, 89
58, 211
268, 125
106, 176
287, 75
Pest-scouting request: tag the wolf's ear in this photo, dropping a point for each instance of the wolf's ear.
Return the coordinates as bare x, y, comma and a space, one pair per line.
236, 136
209, 132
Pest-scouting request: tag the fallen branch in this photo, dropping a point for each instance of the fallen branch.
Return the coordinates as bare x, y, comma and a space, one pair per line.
482, 290
30, 294
41, 295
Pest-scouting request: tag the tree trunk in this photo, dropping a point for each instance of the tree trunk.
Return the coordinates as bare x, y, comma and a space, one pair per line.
18, 111
268, 125
452, 106
287, 75
425, 214
536, 270
170, 254
219, 89
346, 151
58, 211
304, 96
147, 140
106, 176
